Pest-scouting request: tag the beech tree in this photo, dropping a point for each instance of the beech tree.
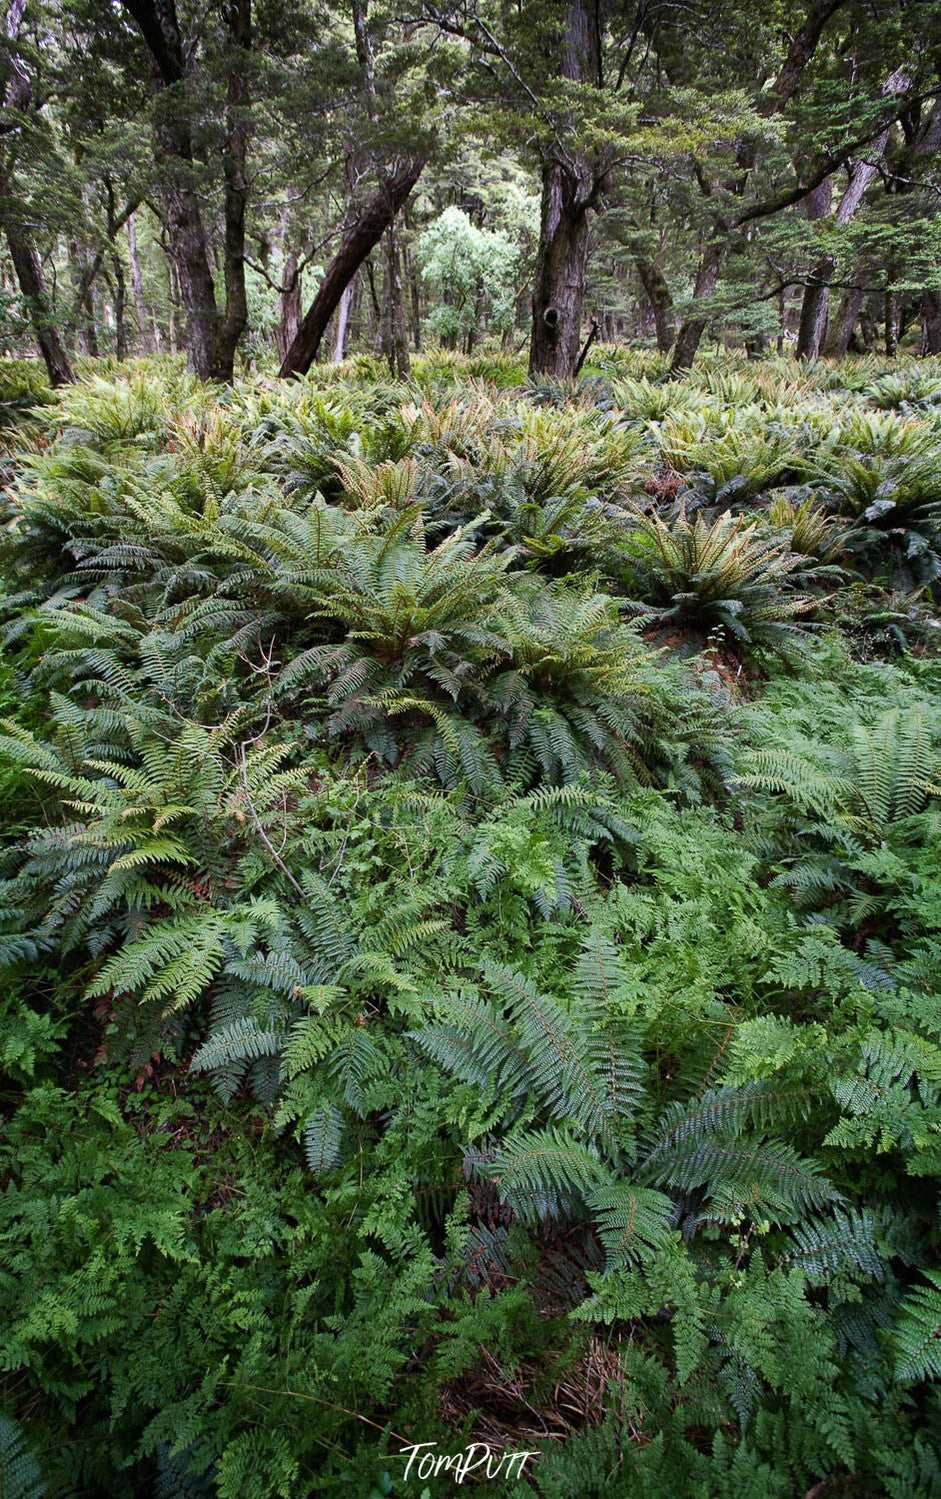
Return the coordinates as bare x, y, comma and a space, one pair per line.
223, 179
16, 101
212, 336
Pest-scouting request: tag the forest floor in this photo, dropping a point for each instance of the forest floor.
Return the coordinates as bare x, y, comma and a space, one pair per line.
471, 896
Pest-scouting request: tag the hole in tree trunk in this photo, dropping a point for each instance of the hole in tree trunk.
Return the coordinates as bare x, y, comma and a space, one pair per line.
551, 317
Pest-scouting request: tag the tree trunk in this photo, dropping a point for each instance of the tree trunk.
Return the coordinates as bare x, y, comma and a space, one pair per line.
931, 323
561, 265
362, 236
137, 282
193, 276
843, 327
816, 301
173, 305
82, 324
802, 48
235, 321
892, 317
290, 303
395, 338
16, 94
661, 303
343, 322
867, 327
693, 328
29, 279
814, 311
120, 305
411, 275
186, 236
571, 183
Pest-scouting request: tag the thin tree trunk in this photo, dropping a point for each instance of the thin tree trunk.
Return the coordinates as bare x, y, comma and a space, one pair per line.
782, 320
362, 236
290, 303
120, 304
137, 282
411, 275
173, 305
83, 265
343, 319
892, 319
29, 279
395, 336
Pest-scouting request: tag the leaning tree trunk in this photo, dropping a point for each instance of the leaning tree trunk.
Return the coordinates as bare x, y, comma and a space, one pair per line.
29, 279
362, 236
559, 290
813, 325
693, 328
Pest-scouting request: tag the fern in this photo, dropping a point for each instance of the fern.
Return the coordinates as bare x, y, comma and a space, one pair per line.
917, 1331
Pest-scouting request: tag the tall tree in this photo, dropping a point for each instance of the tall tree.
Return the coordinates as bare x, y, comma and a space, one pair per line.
814, 310
386, 126
369, 225
573, 183
15, 100
723, 225
211, 337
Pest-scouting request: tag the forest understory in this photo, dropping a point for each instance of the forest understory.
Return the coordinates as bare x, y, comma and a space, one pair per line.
471, 894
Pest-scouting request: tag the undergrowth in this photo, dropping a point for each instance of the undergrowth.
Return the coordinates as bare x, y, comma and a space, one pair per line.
471, 905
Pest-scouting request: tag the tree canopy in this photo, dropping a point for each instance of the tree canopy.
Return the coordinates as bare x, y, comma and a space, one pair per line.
251, 177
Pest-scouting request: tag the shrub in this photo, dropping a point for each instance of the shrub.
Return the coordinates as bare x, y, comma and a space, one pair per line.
884, 472
723, 573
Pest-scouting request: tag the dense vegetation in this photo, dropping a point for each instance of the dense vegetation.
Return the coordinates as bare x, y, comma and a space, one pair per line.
237, 179
471, 903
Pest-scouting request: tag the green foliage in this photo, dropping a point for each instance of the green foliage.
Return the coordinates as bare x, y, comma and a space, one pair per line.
720, 574
474, 273
726, 456
430, 1014
884, 472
